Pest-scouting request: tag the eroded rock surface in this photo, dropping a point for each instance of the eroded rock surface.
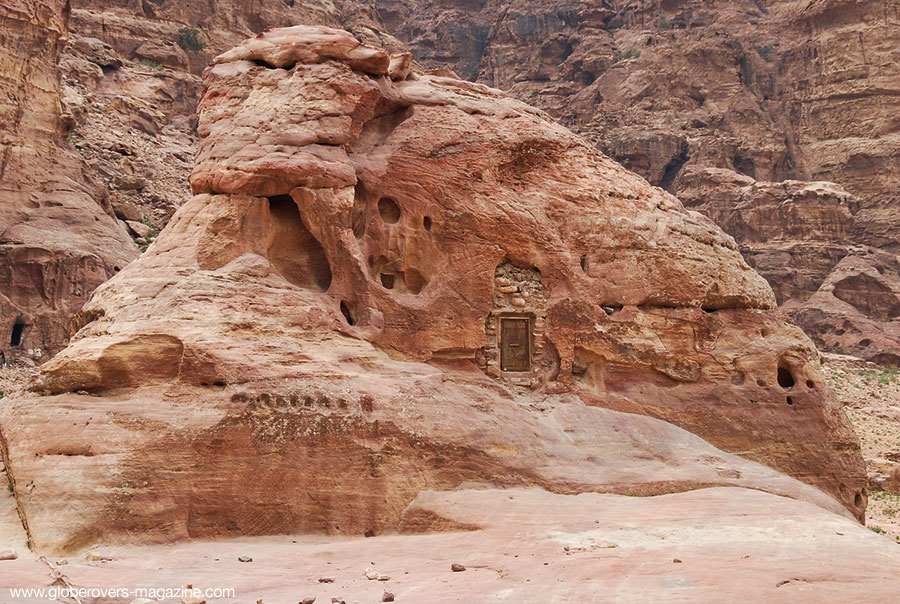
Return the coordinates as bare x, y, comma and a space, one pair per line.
703, 96
857, 308
58, 238
390, 284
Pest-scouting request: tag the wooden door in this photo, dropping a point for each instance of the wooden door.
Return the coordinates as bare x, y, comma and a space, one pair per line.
515, 345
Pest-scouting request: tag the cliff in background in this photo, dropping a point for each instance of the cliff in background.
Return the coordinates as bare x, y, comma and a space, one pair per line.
58, 239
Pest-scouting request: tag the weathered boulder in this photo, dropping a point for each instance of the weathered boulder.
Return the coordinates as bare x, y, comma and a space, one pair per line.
770, 91
778, 93
382, 286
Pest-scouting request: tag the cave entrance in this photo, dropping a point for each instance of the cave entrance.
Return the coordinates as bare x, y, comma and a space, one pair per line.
293, 249
515, 344
15, 339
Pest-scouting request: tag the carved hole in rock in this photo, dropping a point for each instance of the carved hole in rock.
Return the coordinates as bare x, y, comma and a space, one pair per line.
761, 383
391, 277
738, 378
670, 173
345, 310
15, 338
415, 282
858, 499
865, 342
426, 222
579, 367
785, 378
790, 401
294, 252
389, 210
584, 263
810, 384
744, 165
261, 63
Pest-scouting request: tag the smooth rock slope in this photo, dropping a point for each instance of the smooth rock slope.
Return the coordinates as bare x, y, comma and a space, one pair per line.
533, 547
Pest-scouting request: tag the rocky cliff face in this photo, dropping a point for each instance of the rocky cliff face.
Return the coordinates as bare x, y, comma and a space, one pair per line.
707, 99
388, 281
763, 115
58, 238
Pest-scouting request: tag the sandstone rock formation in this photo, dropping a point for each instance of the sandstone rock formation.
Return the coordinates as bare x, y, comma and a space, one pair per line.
388, 282
150, 30
58, 238
131, 120
792, 232
701, 96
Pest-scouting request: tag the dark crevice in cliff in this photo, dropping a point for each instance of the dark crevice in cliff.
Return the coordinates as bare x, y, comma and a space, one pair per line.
673, 168
261, 63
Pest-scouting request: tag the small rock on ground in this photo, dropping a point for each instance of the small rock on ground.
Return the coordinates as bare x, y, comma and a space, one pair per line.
457, 568
8, 554
245, 559
387, 597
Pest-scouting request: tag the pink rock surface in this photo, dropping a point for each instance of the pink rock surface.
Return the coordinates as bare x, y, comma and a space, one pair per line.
530, 546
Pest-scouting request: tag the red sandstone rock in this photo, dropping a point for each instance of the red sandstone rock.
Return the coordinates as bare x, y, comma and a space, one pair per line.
777, 91
313, 339
792, 232
58, 236
772, 93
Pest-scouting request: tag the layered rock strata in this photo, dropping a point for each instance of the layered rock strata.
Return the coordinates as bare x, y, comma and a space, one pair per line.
58, 237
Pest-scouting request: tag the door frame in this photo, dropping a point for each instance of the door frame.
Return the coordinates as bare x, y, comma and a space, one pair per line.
528, 319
